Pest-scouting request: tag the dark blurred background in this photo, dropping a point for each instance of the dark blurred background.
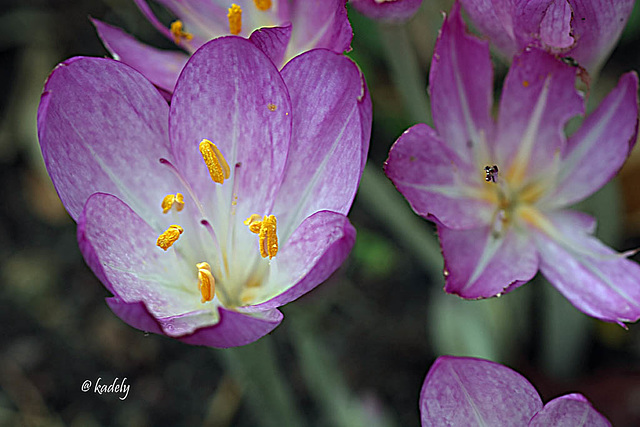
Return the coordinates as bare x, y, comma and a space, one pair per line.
355, 351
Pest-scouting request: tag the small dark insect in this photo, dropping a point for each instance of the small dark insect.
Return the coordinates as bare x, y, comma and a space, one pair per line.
491, 173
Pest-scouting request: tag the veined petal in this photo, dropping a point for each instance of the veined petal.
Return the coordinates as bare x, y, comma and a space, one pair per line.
392, 10
598, 149
319, 24
462, 391
571, 410
555, 28
102, 127
120, 248
480, 263
435, 181
538, 99
323, 165
597, 25
495, 19
273, 42
232, 94
313, 252
161, 67
593, 277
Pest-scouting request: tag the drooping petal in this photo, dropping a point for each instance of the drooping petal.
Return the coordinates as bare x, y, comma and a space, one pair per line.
480, 263
235, 328
592, 276
571, 410
391, 10
461, 82
313, 252
273, 42
598, 149
323, 165
102, 127
461, 391
495, 19
597, 25
134, 314
538, 99
319, 24
435, 181
232, 94
121, 248
161, 67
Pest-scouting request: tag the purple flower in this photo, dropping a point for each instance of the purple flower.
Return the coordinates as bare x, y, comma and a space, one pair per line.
201, 218
387, 9
283, 29
585, 30
463, 391
499, 192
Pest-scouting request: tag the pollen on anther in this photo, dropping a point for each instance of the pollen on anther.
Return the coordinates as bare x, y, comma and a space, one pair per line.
169, 237
235, 19
254, 222
206, 282
268, 237
263, 4
178, 32
215, 161
176, 201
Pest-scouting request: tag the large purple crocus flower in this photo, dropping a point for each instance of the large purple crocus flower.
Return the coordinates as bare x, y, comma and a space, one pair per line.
387, 10
585, 30
287, 28
468, 392
203, 217
498, 192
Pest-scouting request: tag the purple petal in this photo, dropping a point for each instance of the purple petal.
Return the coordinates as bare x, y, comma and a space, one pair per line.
235, 329
435, 181
537, 100
598, 149
319, 24
273, 42
102, 127
480, 263
592, 276
203, 19
387, 9
134, 314
597, 25
461, 391
231, 94
495, 19
313, 252
461, 86
572, 410
161, 67
555, 28
324, 163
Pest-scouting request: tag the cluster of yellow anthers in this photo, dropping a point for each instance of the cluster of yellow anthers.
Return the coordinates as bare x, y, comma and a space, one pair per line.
178, 33
266, 227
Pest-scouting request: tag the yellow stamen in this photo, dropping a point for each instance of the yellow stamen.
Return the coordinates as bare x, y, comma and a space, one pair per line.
206, 282
169, 237
255, 223
263, 4
178, 33
170, 200
266, 229
235, 19
213, 158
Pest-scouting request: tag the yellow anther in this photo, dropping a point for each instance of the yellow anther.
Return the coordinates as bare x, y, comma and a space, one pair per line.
170, 201
254, 222
263, 4
206, 282
213, 158
178, 33
169, 237
272, 107
268, 237
235, 19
